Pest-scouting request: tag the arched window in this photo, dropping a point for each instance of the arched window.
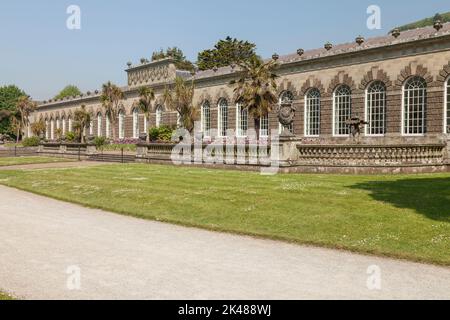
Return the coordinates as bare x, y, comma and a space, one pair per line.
70, 123
108, 125
287, 97
63, 122
447, 107
223, 118
264, 126
241, 120
312, 113
376, 109
47, 135
52, 129
135, 123
206, 119
121, 124
99, 124
414, 106
342, 110
159, 112
91, 126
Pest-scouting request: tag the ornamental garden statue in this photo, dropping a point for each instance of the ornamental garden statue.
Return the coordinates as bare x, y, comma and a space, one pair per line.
286, 114
355, 124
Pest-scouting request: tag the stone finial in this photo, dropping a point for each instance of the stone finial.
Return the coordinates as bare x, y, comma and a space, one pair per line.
275, 57
437, 25
88, 93
129, 64
96, 91
233, 65
328, 46
143, 60
215, 68
360, 40
300, 52
395, 33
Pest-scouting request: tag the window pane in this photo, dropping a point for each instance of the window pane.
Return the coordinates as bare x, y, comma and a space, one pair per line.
312, 116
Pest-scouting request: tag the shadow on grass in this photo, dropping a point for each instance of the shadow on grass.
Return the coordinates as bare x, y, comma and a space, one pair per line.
430, 196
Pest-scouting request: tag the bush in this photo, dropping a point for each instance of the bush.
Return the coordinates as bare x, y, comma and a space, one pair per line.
100, 142
162, 134
31, 142
70, 136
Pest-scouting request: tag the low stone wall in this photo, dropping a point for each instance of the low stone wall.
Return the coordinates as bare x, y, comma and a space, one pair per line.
67, 150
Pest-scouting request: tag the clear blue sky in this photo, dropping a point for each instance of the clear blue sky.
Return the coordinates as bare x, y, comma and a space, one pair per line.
40, 55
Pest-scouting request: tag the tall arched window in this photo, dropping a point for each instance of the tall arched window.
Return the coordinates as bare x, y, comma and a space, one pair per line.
108, 125
342, 110
47, 135
70, 123
312, 113
135, 123
159, 112
206, 119
376, 109
447, 107
52, 129
287, 97
99, 124
241, 120
264, 126
414, 106
63, 121
223, 118
121, 124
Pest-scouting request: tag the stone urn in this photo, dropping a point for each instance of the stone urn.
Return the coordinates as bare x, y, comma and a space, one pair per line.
286, 114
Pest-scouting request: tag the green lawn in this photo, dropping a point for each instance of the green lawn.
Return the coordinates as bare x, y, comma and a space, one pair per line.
12, 161
398, 216
4, 296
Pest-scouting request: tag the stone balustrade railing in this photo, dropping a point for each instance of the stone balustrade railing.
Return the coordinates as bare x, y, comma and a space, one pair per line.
372, 155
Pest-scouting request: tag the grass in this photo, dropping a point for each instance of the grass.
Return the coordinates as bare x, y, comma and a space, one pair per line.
12, 161
4, 296
397, 216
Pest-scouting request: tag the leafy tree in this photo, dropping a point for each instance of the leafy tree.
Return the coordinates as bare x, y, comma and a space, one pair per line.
226, 52
38, 128
146, 97
9, 95
179, 97
81, 118
256, 88
68, 91
181, 62
24, 108
437, 17
110, 98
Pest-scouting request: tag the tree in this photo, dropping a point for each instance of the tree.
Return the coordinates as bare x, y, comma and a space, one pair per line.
437, 17
181, 62
226, 52
9, 95
24, 108
180, 98
38, 128
110, 98
81, 118
68, 91
256, 88
146, 97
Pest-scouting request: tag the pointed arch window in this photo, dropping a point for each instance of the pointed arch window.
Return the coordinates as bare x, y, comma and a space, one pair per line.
223, 118
414, 106
376, 109
108, 125
99, 124
264, 126
63, 121
286, 97
312, 113
342, 110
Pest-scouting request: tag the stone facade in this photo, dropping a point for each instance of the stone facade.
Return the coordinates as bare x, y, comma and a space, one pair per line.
422, 53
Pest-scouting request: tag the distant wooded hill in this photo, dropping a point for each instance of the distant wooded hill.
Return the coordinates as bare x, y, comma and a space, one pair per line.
444, 17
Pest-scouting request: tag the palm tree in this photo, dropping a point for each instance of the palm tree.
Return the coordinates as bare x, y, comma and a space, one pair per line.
180, 98
256, 88
25, 107
81, 118
38, 128
146, 97
110, 98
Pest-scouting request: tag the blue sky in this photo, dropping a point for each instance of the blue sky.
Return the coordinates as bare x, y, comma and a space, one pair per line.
40, 55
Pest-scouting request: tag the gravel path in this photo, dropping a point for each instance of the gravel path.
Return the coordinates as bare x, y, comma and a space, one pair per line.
122, 257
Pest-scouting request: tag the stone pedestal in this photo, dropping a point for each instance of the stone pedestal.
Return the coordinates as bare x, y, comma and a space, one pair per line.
285, 151
91, 149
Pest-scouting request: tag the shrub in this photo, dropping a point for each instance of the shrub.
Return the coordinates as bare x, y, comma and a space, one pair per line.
100, 142
70, 136
163, 133
31, 142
